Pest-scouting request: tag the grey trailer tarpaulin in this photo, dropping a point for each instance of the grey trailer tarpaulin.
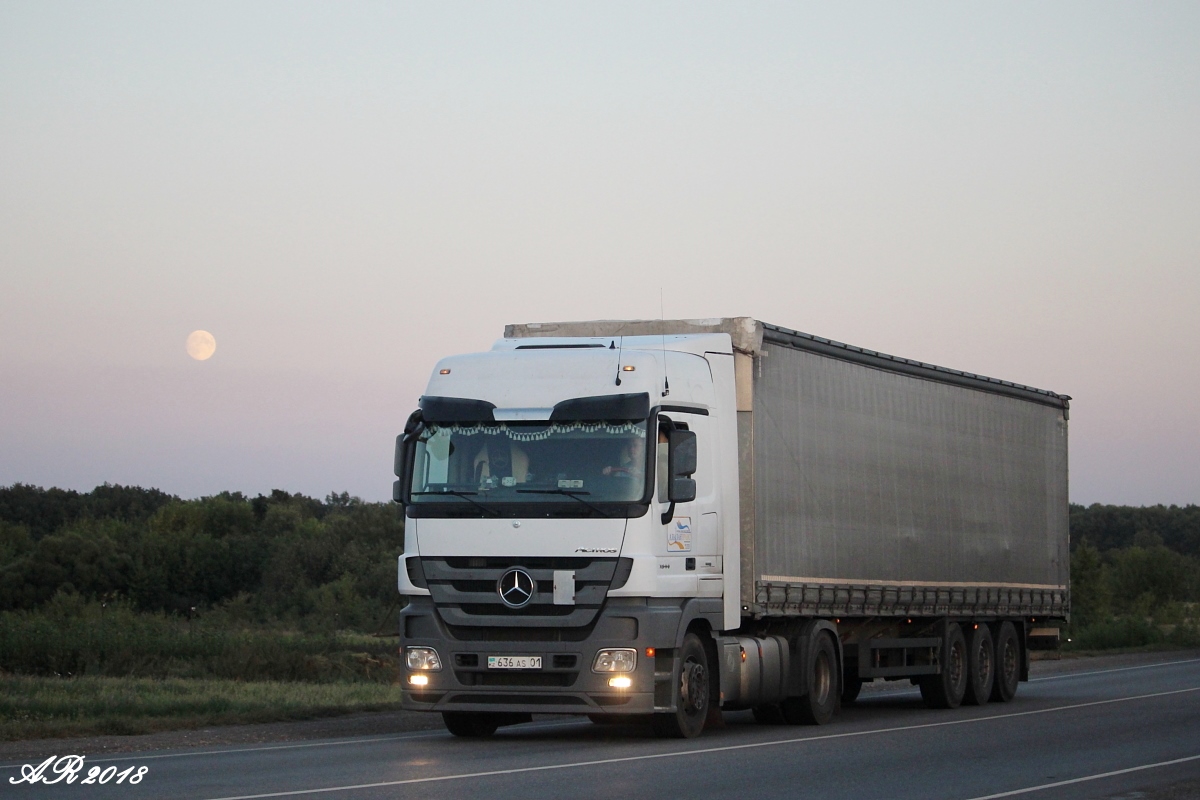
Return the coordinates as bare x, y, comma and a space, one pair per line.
884, 486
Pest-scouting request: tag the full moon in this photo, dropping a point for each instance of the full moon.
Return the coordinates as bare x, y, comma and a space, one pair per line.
201, 345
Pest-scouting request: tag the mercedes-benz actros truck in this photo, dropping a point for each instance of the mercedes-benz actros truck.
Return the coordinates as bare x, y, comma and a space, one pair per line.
671, 518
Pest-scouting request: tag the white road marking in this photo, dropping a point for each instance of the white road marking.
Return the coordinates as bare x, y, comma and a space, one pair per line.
433, 734
333, 743
1085, 779
702, 751
1115, 669
889, 691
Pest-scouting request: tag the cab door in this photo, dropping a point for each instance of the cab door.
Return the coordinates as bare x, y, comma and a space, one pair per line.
689, 544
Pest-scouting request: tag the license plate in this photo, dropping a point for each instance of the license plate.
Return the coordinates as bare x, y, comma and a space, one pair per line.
514, 662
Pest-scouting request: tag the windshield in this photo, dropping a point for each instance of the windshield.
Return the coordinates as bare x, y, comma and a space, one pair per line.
531, 462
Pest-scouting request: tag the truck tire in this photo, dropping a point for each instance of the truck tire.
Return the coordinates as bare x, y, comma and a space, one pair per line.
1008, 663
981, 665
819, 704
691, 694
946, 689
471, 724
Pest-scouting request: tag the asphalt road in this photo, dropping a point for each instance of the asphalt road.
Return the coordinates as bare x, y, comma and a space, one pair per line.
1076, 731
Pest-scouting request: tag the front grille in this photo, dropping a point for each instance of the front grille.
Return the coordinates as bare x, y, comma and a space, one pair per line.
534, 609
519, 699
524, 679
463, 590
476, 633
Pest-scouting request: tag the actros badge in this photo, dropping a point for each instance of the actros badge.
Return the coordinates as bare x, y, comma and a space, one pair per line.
515, 588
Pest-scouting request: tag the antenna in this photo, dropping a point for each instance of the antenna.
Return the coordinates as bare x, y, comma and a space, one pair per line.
663, 333
619, 351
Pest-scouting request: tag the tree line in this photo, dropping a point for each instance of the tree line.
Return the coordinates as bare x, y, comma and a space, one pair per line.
1134, 563
292, 558
277, 557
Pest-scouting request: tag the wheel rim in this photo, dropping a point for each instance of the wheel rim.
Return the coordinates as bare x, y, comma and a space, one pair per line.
956, 664
822, 679
693, 686
1010, 661
984, 660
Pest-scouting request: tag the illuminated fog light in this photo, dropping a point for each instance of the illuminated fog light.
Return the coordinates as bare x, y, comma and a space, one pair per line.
418, 680
620, 683
622, 659
423, 658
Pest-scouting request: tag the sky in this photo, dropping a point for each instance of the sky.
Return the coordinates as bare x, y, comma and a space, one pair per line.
344, 192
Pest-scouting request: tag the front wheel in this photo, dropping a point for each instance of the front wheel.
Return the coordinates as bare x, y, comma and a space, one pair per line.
691, 694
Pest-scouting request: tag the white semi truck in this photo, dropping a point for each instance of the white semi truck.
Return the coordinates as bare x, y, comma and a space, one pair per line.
673, 517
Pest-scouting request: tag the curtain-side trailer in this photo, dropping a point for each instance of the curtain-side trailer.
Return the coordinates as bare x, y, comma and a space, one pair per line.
673, 517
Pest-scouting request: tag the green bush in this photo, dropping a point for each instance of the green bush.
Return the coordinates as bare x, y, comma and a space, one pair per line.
1112, 634
70, 638
286, 558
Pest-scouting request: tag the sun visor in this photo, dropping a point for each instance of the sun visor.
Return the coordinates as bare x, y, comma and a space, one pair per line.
607, 406
456, 409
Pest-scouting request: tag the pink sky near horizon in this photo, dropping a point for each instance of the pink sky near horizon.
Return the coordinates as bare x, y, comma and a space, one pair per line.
343, 193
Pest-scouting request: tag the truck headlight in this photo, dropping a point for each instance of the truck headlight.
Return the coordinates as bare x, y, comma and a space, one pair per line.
622, 659
422, 658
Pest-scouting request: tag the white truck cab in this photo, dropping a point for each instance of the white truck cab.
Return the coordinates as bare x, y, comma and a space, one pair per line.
545, 530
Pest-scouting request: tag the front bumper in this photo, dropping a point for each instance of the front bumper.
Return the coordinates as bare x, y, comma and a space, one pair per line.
566, 683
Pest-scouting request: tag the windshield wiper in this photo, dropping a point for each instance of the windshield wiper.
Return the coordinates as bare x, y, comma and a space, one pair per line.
571, 493
464, 496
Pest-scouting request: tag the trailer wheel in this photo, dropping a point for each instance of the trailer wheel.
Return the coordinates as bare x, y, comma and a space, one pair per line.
981, 665
816, 707
691, 694
1008, 663
946, 689
473, 725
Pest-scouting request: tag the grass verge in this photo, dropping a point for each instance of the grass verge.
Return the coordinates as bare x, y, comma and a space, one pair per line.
73, 639
36, 707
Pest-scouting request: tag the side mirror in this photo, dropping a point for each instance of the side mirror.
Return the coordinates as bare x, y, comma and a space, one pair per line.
681, 464
403, 458
681, 490
681, 453
402, 467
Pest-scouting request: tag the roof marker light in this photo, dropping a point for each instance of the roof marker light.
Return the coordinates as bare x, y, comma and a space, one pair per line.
443, 372
628, 368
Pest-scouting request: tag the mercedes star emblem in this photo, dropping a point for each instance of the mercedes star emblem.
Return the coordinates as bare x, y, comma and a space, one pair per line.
516, 588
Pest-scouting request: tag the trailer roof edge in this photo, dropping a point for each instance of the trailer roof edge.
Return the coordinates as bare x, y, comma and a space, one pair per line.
907, 366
